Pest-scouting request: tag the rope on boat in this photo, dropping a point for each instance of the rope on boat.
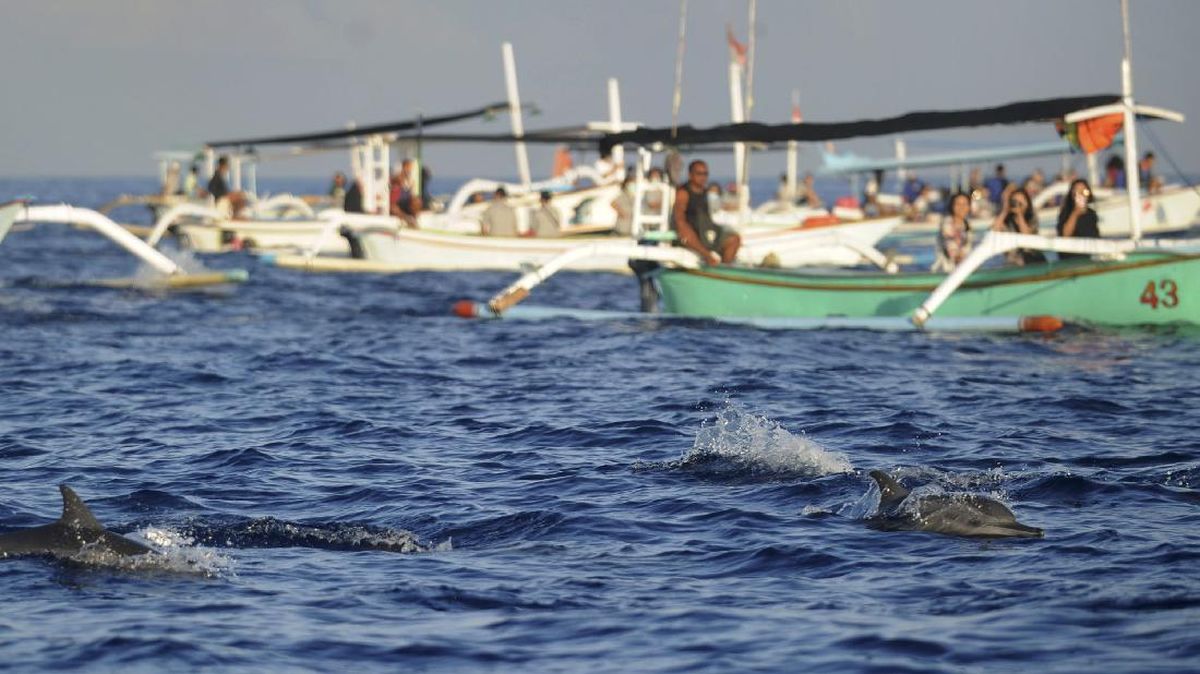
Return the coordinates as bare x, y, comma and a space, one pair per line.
1170, 160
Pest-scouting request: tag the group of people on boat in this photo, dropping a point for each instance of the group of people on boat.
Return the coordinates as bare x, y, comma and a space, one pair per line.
1114, 173
1076, 218
500, 218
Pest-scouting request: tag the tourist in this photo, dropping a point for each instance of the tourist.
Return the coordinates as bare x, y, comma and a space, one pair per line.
401, 200
337, 190
499, 219
808, 193
607, 170
693, 222
1114, 173
228, 204
1150, 181
1017, 216
784, 194
995, 186
191, 183
353, 202
1076, 217
623, 205
170, 186
954, 234
652, 203
546, 223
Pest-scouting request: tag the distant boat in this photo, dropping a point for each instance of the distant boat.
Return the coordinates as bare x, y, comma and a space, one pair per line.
170, 274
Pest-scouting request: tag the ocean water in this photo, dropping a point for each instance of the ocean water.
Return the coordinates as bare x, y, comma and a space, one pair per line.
337, 473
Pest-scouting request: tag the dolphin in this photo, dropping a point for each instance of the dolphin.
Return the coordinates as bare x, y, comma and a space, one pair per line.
65, 538
951, 514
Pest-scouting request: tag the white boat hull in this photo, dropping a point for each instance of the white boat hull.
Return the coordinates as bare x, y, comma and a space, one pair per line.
406, 249
261, 235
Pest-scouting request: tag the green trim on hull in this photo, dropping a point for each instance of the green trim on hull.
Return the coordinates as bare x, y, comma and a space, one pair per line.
1110, 293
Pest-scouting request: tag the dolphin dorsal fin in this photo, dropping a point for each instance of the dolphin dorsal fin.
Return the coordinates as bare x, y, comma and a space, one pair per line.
75, 513
890, 491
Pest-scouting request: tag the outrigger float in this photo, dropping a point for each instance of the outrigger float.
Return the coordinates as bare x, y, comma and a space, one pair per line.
171, 276
1123, 282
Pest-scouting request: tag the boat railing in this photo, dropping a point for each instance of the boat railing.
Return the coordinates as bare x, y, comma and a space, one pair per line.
659, 221
280, 205
998, 243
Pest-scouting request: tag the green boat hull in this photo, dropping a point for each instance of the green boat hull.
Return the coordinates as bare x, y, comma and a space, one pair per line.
1144, 288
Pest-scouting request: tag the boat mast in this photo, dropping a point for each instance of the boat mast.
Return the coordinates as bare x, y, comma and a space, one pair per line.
514, 111
744, 186
677, 95
614, 120
793, 147
1132, 177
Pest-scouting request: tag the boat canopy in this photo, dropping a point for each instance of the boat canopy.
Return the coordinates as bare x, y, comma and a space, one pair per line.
849, 162
929, 120
403, 126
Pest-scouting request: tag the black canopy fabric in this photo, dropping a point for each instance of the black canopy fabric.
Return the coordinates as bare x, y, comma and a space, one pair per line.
390, 127
752, 132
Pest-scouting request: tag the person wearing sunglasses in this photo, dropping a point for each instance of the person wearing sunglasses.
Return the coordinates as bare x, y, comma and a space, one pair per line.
693, 221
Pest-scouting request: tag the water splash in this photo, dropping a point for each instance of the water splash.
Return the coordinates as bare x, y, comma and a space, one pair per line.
170, 552
269, 532
738, 441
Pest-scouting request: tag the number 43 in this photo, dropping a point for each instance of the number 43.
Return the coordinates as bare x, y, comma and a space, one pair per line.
1169, 297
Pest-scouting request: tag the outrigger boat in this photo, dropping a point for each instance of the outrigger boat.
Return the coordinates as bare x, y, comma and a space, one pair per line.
169, 274
1128, 282
1173, 208
452, 240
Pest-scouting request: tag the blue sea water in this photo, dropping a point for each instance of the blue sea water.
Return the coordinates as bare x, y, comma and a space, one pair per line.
341, 475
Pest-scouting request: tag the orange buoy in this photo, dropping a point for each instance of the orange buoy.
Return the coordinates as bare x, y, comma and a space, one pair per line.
1041, 324
465, 309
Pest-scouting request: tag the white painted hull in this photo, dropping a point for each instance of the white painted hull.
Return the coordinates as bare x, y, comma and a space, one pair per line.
261, 235
828, 246
835, 245
1172, 210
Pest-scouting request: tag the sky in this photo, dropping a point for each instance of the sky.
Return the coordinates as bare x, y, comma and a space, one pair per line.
95, 88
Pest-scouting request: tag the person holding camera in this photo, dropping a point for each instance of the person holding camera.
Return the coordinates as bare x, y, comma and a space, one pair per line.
1076, 217
1017, 216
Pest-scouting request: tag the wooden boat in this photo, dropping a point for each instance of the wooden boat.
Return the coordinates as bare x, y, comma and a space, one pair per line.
1128, 282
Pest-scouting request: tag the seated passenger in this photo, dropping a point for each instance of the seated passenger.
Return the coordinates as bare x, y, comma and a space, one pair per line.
545, 220
692, 220
1017, 216
499, 219
1150, 181
954, 235
1076, 217
228, 204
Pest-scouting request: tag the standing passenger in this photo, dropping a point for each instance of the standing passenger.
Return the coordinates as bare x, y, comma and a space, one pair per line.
623, 205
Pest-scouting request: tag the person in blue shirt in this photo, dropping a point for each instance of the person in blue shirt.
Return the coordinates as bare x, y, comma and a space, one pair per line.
995, 186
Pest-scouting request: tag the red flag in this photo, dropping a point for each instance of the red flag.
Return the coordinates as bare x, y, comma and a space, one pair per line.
737, 50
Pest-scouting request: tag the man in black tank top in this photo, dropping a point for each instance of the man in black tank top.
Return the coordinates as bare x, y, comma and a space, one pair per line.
694, 225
